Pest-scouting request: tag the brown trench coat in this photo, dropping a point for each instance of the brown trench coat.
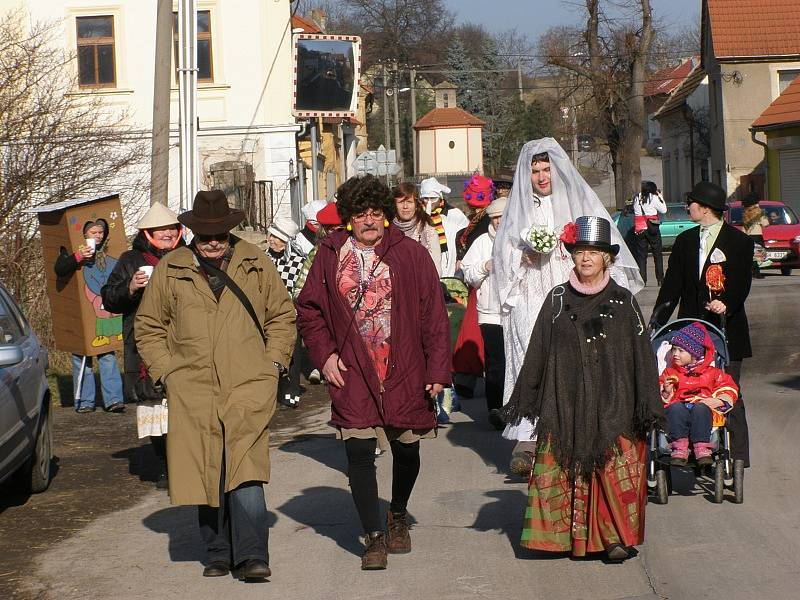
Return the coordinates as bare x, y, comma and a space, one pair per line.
220, 378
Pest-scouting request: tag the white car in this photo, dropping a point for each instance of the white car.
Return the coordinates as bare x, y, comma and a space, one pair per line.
26, 428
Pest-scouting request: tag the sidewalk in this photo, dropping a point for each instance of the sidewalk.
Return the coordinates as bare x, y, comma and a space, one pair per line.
465, 541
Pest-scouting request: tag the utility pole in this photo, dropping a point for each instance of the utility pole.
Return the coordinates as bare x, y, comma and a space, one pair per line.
397, 141
413, 120
187, 93
387, 136
519, 80
159, 150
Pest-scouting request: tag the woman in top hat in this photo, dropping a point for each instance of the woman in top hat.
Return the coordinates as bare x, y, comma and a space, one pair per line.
716, 243
159, 234
589, 383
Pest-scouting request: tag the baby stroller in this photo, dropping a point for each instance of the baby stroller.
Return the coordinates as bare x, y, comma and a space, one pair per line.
659, 474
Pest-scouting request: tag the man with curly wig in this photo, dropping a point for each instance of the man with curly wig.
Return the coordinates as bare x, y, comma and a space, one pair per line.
372, 315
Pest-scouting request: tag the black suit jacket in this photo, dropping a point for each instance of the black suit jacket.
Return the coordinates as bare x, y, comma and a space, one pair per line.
682, 284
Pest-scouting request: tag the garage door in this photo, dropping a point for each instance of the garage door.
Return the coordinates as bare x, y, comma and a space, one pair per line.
790, 177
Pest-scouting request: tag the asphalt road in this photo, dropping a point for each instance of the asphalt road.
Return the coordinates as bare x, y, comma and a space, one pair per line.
468, 515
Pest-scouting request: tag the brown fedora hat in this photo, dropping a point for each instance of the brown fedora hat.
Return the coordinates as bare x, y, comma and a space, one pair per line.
211, 214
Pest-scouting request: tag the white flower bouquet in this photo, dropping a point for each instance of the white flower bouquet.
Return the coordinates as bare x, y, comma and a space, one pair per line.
540, 239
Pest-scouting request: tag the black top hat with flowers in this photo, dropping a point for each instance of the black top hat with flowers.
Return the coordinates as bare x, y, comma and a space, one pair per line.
589, 232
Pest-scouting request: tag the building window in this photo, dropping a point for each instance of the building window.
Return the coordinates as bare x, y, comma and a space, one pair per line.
96, 51
785, 78
447, 101
205, 69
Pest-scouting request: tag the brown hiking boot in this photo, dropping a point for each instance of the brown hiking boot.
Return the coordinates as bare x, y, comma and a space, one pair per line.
374, 557
398, 540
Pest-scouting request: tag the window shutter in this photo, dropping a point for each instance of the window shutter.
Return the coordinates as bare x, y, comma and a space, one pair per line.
790, 177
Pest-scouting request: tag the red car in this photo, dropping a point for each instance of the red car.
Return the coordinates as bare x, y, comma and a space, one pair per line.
781, 236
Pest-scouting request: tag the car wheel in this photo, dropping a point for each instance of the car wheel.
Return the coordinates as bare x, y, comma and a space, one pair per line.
786, 271
40, 463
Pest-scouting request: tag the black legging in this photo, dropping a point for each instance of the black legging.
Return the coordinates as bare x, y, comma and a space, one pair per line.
361, 473
650, 238
495, 368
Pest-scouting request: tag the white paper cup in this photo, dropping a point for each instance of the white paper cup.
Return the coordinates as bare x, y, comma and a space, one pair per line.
147, 270
91, 242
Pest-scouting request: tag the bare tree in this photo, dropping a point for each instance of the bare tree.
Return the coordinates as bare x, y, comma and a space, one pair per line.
55, 144
610, 57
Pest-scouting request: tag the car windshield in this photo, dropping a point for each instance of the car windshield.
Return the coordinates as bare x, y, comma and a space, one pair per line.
676, 212
777, 215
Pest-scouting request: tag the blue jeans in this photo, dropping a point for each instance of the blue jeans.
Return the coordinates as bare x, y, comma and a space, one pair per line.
237, 530
110, 380
689, 420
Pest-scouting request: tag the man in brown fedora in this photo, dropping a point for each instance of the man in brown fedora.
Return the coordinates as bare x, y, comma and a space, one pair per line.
715, 244
215, 328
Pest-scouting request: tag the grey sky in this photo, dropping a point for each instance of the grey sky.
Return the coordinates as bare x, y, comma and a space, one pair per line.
534, 17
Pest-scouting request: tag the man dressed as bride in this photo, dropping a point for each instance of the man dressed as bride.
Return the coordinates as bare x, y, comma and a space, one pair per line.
548, 192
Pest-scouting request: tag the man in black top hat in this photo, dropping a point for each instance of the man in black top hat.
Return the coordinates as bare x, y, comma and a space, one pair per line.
718, 244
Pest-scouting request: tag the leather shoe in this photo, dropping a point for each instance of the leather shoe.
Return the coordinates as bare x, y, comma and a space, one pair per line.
253, 570
617, 553
217, 569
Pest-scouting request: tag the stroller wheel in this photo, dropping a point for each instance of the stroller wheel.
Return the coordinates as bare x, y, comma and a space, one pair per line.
738, 481
662, 486
719, 481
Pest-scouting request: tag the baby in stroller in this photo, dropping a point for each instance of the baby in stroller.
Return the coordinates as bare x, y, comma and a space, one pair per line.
691, 388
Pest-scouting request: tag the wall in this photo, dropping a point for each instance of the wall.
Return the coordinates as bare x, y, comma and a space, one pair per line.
773, 159
739, 93
245, 114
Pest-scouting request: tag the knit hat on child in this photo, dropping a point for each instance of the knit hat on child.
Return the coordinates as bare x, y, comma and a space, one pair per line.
692, 338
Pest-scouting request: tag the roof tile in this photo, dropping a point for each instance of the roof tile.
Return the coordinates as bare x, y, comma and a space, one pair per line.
448, 117
666, 80
784, 109
742, 28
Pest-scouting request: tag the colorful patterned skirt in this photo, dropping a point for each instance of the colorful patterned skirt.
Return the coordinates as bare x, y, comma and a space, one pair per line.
587, 516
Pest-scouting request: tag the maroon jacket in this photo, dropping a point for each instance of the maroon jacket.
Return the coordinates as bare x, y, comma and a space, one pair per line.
420, 337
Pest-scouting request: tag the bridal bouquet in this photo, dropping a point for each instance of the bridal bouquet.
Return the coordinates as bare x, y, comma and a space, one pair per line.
540, 239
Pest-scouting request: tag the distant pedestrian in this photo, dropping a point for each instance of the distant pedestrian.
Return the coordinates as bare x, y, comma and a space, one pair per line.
647, 205
288, 260
373, 318
306, 239
96, 266
215, 328
477, 267
159, 234
754, 219
446, 220
590, 383
729, 251
412, 219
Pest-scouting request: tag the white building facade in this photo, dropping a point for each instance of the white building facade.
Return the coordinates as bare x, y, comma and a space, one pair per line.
247, 133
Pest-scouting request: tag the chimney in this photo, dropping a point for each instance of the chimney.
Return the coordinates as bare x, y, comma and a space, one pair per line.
319, 18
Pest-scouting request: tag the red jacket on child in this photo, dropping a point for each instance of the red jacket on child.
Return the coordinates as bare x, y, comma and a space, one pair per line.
701, 380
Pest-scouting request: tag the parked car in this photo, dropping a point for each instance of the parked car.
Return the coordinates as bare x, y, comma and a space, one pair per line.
673, 223
26, 427
781, 236
653, 147
586, 143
